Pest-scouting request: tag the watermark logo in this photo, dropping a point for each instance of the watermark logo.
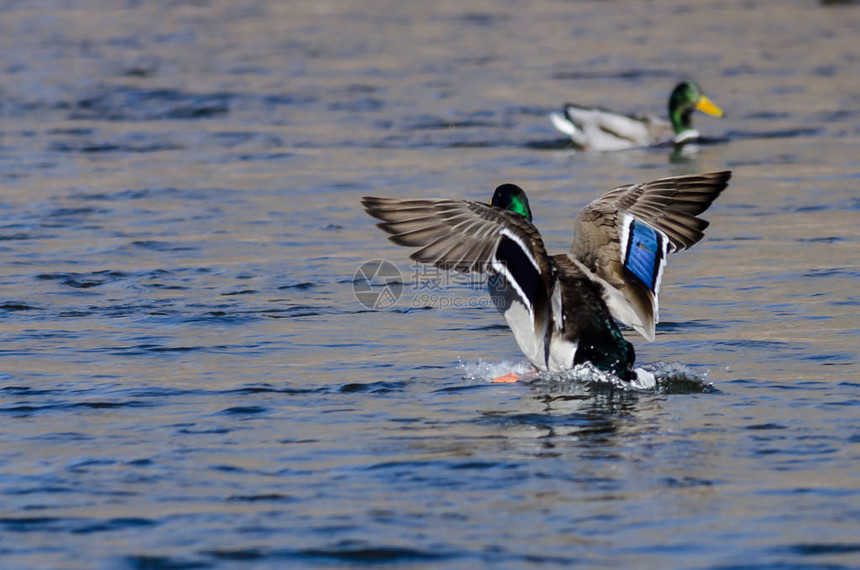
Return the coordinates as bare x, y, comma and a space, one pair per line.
377, 284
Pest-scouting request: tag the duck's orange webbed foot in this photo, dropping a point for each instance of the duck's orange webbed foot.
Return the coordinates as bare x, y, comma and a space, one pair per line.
507, 378
512, 377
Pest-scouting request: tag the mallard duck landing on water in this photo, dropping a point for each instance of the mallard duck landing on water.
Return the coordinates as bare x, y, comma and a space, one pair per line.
593, 128
562, 308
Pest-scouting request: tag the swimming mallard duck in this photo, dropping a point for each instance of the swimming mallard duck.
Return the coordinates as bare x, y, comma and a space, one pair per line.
561, 308
593, 128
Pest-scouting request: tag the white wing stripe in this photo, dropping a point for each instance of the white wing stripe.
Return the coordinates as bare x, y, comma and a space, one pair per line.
502, 268
519, 242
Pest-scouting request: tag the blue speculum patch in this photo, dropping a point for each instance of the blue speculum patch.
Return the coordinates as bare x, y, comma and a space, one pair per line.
644, 253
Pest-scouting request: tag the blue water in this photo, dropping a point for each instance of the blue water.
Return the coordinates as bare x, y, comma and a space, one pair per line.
187, 379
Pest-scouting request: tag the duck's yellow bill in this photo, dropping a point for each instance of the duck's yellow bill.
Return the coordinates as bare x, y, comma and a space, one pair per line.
705, 105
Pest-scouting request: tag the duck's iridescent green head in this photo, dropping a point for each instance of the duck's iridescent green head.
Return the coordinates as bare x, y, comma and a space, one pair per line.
686, 98
512, 198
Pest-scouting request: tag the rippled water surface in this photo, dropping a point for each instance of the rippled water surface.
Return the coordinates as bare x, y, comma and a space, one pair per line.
187, 380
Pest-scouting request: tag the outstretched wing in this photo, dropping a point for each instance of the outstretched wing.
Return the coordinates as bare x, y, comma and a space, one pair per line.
457, 235
468, 236
623, 239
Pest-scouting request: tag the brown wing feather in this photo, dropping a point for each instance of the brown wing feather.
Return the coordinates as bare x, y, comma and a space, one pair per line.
471, 236
669, 205
453, 234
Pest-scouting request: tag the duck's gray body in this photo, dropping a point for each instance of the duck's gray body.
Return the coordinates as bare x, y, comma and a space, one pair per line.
599, 129
594, 128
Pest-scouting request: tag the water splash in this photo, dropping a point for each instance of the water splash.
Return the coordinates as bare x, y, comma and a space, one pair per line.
482, 371
669, 377
679, 378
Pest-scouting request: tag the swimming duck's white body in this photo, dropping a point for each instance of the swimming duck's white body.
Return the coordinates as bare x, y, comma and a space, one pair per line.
597, 129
